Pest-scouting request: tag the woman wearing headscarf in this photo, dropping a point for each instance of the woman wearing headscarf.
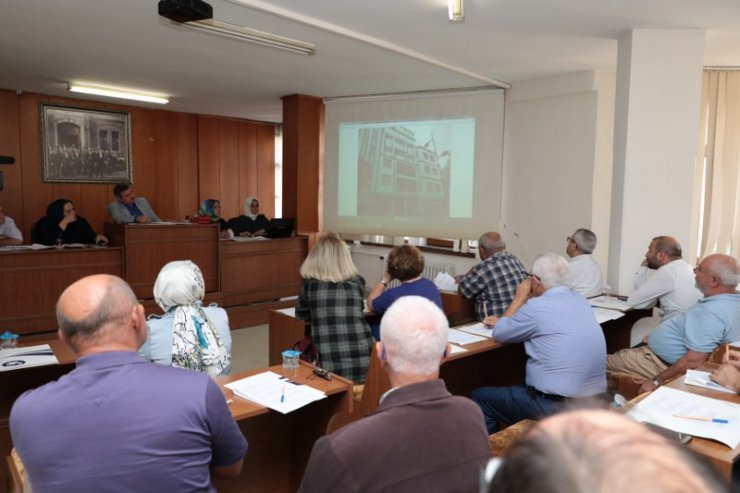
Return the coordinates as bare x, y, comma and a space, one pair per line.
61, 222
332, 298
252, 223
212, 209
187, 335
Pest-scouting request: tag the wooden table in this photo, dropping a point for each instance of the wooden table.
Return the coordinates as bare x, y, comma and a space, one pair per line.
280, 444
14, 383
148, 247
32, 281
261, 270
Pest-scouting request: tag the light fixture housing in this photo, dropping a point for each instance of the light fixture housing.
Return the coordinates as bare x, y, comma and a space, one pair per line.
456, 10
117, 93
253, 36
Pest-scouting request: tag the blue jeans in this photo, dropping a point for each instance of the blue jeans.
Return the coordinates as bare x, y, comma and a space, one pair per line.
512, 404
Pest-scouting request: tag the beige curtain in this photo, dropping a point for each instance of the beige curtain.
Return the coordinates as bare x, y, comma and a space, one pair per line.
719, 179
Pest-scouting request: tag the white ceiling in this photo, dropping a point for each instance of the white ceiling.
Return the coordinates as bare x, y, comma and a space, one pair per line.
44, 44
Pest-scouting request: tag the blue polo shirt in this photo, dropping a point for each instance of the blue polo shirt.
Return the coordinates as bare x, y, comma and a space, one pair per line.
712, 321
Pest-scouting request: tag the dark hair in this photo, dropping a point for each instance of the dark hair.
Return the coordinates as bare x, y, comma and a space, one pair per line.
405, 262
55, 210
668, 245
119, 188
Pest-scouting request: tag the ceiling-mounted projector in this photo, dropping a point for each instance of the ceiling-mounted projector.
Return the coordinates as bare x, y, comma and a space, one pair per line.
185, 10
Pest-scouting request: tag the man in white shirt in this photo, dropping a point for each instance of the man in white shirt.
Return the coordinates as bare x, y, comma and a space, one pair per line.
9, 232
666, 278
585, 274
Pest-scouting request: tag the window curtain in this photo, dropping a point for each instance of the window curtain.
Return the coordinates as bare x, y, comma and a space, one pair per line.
718, 180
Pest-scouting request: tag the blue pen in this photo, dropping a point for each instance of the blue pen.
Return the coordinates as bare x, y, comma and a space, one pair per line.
282, 397
701, 418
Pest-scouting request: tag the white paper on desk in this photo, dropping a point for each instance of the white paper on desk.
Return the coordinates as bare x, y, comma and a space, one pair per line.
445, 282
247, 239
477, 329
267, 389
35, 246
701, 379
604, 315
287, 311
609, 302
459, 337
663, 403
25, 357
457, 349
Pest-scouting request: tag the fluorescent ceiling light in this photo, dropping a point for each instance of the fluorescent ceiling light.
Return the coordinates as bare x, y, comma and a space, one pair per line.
253, 36
456, 10
117, 93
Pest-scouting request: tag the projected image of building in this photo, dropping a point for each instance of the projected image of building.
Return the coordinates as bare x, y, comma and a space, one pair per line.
397, 176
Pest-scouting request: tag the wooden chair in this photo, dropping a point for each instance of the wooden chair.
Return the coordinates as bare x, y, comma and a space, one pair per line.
17, 478
502, 440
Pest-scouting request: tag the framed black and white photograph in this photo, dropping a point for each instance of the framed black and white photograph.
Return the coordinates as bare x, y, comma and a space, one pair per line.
83, 145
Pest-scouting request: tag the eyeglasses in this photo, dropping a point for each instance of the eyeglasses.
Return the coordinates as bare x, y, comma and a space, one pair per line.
569, 239
533, 275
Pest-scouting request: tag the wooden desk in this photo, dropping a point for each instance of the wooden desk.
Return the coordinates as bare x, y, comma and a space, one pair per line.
261, 270
279, 445
148, 247
14, 383
32, 281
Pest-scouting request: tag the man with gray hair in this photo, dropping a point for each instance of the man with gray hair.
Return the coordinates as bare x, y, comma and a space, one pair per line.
564, 343
493, 281
585, 274
684, 342
117, 422
421, 438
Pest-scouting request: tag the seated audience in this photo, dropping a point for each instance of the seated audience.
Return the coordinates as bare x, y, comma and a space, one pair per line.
685, 341
564, 343
332, 298
252, 223
666, 279
187, 335
61, 223
116, 422
9, 232
406, 264
421, 438
729, 373
128, 208
493, 281
212, 208
600, 452
585, 274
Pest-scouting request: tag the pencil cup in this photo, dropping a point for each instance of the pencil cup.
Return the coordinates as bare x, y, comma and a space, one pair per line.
290, 360
8, 340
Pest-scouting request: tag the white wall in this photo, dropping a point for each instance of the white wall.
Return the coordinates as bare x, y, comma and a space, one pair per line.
557, 162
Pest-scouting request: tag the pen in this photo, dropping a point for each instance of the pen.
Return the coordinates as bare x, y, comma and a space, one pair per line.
485, 316
701, 418
282, 396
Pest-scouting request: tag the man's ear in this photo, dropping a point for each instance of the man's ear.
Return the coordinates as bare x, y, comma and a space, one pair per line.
62, 337
446, 353
138, 321
380, 349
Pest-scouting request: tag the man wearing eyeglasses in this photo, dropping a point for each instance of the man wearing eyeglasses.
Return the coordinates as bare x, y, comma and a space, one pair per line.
685, 341
585, 274
564, 343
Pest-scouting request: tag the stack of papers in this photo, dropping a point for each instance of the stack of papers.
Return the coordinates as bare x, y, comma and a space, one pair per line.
604, 314
478, 329
445, 282
25, 357
701, 379
275, 391
247, 239
610, 302
691, 414
460, 337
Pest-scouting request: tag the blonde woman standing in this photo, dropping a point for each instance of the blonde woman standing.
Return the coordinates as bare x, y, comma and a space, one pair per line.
332, 299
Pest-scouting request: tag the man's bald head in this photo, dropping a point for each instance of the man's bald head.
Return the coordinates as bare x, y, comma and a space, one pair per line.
90, 310
491, 243
597, 452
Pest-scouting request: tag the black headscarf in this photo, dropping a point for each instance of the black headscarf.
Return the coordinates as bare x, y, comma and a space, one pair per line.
55, 210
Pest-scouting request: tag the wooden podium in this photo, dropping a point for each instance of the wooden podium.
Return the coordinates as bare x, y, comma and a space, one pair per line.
148, 247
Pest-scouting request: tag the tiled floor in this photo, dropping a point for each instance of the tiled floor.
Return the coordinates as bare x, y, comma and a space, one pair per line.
249, 348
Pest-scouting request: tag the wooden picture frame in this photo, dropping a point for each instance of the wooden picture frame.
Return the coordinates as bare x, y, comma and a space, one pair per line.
82, 145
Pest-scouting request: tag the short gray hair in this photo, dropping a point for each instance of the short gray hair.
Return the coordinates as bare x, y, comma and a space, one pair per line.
585, 240
552, 269
727, 269
115, 305
491, 242
414, 336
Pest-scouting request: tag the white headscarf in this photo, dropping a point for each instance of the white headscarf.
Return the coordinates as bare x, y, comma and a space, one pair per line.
247, 210
195, 340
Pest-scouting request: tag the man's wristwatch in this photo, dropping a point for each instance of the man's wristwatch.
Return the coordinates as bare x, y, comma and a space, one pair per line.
656, 382
383, 282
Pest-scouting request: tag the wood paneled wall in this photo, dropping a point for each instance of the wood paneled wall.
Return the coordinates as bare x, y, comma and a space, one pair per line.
179, 159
